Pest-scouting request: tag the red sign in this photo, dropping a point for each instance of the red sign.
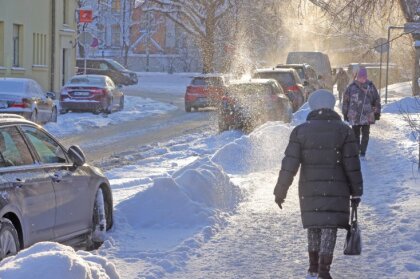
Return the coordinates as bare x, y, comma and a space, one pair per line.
85, 16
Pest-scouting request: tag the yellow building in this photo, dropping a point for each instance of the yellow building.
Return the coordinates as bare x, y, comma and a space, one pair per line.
37, 40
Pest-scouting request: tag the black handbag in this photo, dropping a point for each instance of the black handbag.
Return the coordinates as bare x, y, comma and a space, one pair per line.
353, 243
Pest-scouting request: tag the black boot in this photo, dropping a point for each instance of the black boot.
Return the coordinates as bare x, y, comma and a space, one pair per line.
313, 262
324, 266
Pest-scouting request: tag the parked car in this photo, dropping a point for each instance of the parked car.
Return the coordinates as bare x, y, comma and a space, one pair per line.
108, 67
204, 91
49, 193
95, 93
307, 74
249, 104
320, 61
290, 82
26, 97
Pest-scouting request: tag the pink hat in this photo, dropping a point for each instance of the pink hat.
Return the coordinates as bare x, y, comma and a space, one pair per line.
362, 73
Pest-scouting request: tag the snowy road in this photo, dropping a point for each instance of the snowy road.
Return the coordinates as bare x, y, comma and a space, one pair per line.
158, 126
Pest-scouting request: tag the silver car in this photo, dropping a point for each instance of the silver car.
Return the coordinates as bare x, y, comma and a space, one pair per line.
48, 192
26, 97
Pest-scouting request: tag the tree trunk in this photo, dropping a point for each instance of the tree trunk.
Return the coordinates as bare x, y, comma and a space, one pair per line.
207, 46
416, 73
207, 49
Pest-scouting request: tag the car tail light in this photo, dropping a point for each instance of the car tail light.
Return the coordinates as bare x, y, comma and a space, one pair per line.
293, 88
64, 91
23, 104
98, 91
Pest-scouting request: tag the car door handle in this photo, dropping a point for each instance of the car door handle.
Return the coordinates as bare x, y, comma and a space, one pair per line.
56, 177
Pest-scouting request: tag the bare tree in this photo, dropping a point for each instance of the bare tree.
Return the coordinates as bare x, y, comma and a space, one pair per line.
356, 13
200, 18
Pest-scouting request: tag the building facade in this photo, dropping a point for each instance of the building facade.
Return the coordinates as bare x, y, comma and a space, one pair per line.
143, 41
37, 40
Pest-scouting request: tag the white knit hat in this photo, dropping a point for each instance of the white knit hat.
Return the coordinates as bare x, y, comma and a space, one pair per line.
320, 99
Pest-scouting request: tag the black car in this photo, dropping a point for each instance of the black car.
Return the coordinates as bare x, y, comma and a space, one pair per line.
48, 192
290, 82
108, 67
307, 74
26, 97
248, 104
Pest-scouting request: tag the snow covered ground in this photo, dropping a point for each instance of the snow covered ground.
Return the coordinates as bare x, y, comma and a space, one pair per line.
201, 206
135, 108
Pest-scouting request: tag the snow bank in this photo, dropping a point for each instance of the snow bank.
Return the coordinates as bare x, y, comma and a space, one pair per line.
301, 115
191, 197
261, 150
405, 105
52, 260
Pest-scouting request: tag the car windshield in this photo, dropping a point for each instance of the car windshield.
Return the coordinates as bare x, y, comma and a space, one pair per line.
299, 70
117, 65
284, 78
98, 81
207, 81
12, 87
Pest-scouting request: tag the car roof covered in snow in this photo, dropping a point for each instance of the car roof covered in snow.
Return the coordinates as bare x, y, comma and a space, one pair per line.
253, 81
9, 118
275, 70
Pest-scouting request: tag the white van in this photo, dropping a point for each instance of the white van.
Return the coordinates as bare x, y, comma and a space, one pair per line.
318, 60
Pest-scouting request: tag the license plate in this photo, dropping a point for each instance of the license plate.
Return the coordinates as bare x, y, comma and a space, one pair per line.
80, 94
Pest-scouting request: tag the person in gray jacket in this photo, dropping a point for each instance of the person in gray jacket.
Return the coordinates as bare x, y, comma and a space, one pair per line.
325, 149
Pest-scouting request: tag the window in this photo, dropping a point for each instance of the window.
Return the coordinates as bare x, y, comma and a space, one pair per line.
65, 11
116, 33
39, 52
13, 149
49, 150
116, 6
17, 45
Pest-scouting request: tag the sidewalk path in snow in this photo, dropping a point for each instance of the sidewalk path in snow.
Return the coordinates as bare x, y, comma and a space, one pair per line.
262, 241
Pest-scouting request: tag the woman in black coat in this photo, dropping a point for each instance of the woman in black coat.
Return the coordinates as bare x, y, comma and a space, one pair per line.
327, 151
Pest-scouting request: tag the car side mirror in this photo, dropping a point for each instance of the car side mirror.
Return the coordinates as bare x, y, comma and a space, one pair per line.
319, 76
305, 83
76, 155
50, 95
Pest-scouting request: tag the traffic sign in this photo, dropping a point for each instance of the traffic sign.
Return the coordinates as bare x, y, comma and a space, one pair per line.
85, 16
412, 27
381, 45
85, 38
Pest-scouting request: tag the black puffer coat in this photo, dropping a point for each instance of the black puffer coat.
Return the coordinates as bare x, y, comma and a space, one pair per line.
327, 150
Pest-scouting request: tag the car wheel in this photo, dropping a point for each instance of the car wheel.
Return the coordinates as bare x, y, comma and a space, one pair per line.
99, 222
53, 115
34, 116
187, 108
9, 239
121, 103
108, 107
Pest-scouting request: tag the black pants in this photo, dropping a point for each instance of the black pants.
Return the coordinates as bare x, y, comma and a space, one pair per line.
365, 137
